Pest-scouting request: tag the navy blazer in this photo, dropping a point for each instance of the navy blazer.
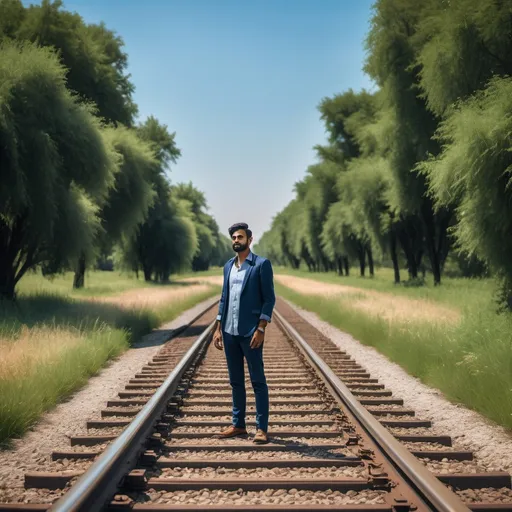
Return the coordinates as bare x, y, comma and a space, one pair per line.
257, 297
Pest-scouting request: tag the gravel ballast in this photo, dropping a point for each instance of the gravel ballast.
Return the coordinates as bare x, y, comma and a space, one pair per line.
491, 444
270, 496
320, 473
211, 440
313, 452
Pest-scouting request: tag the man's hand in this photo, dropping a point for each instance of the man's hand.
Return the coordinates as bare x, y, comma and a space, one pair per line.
217, 339
257, 339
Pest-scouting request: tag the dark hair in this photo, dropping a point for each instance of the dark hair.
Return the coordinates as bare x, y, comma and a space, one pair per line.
238, 226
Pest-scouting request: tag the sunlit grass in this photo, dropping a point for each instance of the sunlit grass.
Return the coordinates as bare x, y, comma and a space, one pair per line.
44, 365
53, 340
465, 294
96, 283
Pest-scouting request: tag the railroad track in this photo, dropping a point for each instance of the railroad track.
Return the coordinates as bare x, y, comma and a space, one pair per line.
338, 440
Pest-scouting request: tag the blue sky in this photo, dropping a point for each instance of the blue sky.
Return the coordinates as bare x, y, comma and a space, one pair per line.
239, 81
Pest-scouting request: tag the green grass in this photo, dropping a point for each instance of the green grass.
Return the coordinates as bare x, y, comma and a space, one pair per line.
465, 294
28, 393
471, 363
53, 340
96, 283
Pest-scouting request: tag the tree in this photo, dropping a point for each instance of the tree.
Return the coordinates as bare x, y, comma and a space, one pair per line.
92, 54
12, 14
392, 64
129, 198
55, 167
473, 172
462, 45
206, 227
316, 192
167, 240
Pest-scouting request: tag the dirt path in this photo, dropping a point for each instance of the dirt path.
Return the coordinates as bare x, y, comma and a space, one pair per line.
381, 304
152, 296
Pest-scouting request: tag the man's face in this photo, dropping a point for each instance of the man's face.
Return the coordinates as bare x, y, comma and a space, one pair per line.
240, 242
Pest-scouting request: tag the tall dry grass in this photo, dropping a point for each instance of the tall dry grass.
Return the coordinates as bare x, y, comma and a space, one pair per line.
51, 343
44, 365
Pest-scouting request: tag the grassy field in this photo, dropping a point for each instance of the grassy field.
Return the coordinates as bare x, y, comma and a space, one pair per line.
53, 338
465, 294
469, 360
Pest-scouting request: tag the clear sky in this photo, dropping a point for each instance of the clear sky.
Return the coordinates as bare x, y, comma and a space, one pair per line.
239, 81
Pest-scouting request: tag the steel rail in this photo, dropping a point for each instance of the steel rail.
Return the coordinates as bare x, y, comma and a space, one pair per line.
431, 490
93, 489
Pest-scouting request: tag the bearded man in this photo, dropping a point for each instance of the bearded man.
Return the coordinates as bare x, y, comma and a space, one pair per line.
245, 309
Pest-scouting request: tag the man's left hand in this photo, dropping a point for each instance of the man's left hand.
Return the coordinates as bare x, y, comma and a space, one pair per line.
257, 339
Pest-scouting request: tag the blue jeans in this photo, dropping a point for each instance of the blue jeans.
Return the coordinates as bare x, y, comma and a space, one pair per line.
236, 348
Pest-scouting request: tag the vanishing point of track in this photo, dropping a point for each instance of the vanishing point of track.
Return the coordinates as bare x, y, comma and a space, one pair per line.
338, 439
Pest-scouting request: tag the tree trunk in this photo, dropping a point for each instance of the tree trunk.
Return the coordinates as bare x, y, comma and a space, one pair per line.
409, 255
339, 266
346, 265
362, 259
147, 273
7, 283
430, 238
16, 257
370, 259
394, 256
79, 279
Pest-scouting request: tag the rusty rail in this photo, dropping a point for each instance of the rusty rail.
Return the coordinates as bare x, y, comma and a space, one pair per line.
93, 489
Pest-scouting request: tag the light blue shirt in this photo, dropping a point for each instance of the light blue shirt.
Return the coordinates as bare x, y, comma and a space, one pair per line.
236, 280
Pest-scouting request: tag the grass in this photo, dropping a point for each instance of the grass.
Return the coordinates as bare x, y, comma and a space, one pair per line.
52, 339
465, 294
96, 284
47, 366
469, 361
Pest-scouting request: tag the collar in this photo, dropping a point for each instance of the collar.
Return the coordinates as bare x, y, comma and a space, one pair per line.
250, 257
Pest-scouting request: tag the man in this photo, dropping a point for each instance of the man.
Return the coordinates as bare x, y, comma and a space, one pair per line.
245, 308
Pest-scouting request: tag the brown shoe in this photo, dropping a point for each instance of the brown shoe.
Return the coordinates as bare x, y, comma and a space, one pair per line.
232, 431
260, 437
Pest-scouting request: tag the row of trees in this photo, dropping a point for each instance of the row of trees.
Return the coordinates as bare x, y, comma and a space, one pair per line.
80, 179
422, 167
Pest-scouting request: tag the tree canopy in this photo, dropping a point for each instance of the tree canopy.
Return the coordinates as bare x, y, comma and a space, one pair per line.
421, 166
81, 177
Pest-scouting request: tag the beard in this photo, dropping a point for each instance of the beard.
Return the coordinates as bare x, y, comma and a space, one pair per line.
237, 247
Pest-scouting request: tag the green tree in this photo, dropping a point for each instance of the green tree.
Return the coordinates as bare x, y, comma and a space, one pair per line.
474, 172
92, 54
55, 167
167, 240
12, 14
129, 198
205, 225
393, 48
316, 192
462, 45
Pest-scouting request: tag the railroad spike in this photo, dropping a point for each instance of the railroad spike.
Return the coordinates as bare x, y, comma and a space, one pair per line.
365, 453
353, 440
402, 505
120, 503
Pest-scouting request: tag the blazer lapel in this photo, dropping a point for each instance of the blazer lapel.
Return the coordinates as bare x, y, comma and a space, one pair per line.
248, 273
